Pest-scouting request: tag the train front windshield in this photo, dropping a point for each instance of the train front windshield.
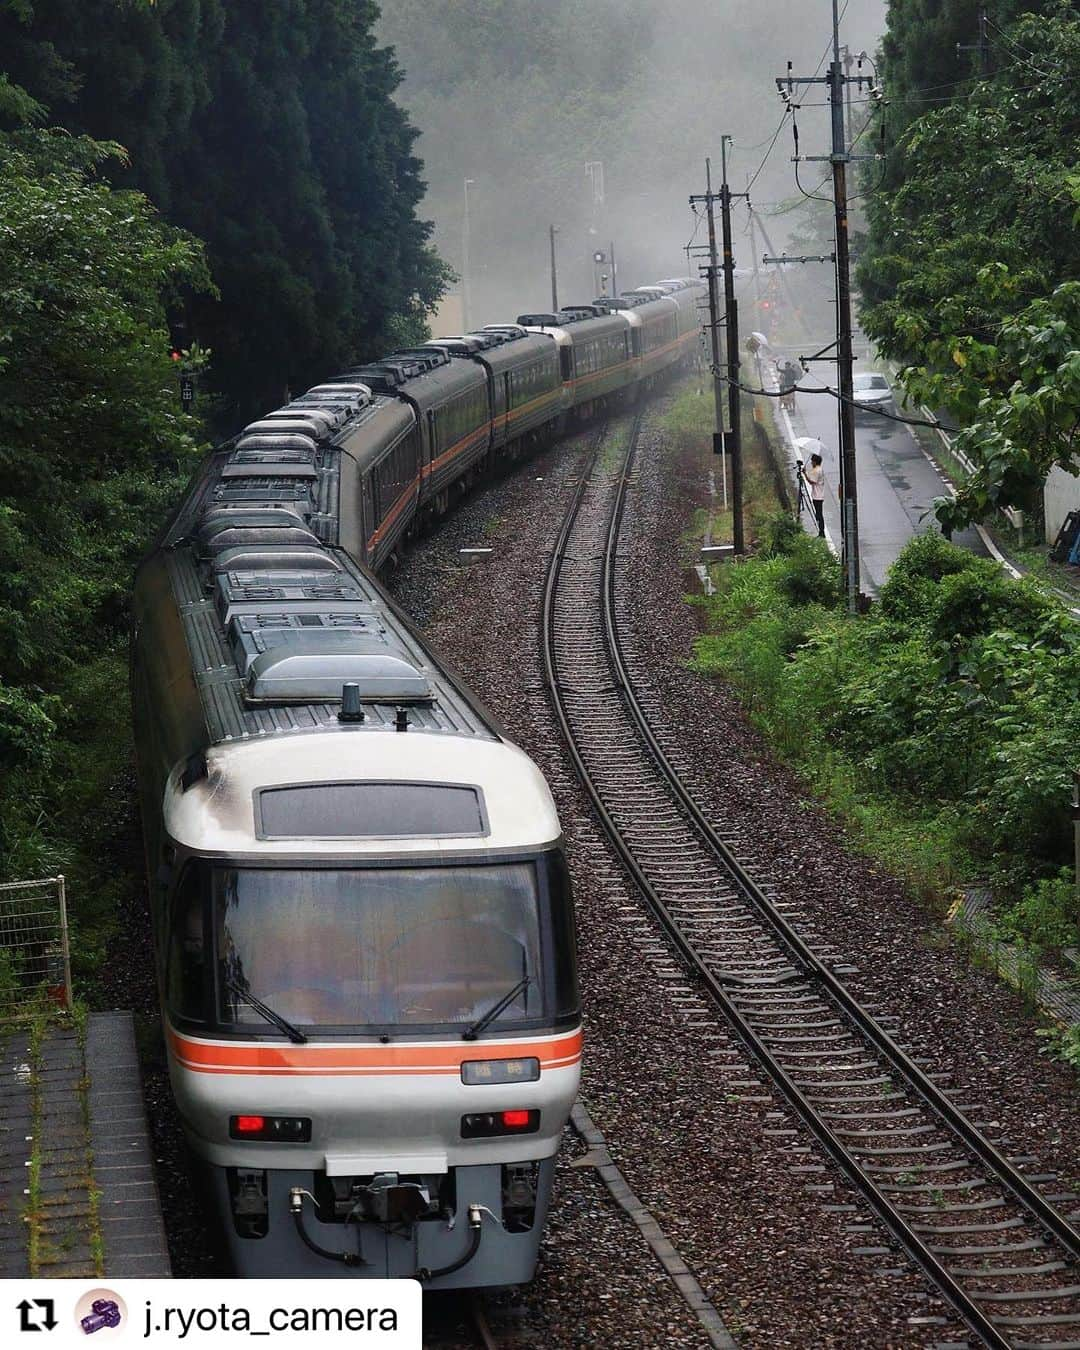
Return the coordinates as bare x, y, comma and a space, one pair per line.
375, 947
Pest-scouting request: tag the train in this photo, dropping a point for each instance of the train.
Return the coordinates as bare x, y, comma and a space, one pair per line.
362, 918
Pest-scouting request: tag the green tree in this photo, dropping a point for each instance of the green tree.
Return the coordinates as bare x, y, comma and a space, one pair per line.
92, 448
970, 275
270, 131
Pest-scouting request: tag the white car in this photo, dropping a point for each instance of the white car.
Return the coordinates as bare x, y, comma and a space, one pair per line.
872, 393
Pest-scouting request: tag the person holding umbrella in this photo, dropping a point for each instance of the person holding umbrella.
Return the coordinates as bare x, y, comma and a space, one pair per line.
812, 478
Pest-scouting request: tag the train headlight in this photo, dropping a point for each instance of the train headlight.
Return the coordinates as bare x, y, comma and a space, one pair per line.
501, 1071
271, 1129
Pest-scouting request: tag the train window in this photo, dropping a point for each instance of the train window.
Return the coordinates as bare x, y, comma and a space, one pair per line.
185, 964
564, 944
565, 359
369, 810
381, 947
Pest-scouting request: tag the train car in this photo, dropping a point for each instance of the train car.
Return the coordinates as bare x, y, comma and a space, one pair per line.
362, 920
654, 332
363, 929
451, 403
596, 361
524, 386
688, 296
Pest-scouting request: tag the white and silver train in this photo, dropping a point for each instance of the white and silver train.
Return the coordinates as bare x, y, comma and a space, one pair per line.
363, 926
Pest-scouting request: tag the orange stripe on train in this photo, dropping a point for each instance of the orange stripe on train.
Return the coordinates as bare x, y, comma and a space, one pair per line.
248, 1057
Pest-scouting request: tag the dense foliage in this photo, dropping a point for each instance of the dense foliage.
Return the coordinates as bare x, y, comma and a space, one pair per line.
946, 721
93, 448
973, 257
270, 132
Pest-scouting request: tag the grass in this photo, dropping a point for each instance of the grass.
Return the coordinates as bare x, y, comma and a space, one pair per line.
80, 1018
43, 1249
33, 1210
689, 423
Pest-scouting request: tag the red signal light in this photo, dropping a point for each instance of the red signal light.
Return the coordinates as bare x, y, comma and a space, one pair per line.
250, 1124
515, 1120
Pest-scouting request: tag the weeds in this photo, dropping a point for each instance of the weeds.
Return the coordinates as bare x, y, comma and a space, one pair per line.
1062, 1043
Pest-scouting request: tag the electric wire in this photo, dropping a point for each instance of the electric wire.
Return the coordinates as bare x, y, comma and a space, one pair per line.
1012, 48
836, 394
772, 143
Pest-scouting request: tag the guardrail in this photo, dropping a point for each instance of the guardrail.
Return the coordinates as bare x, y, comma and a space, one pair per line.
35, 960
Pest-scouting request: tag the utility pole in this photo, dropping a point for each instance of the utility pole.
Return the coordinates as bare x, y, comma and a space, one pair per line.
714, 329
611, 255
845, 357
849, 61
982, 46
468, 183
552, 232
839, 159
731, 311
728, 435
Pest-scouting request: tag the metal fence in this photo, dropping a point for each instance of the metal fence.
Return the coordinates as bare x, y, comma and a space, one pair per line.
35, 963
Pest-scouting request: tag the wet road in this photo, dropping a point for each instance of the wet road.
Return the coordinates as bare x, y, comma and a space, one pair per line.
897, 482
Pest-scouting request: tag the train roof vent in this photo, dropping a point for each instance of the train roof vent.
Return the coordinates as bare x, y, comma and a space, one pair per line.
386, 377
577, 313
429, 357
311, 665
267, 514
487, 337
456, 346
283, 559
510, 330
275, 442
314, 422
343, 389
227, 528
539, 320
270, 465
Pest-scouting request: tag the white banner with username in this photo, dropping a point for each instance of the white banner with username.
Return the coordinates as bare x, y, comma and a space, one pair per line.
94, 1314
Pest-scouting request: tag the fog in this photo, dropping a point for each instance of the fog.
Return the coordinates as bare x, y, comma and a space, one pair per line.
518, 96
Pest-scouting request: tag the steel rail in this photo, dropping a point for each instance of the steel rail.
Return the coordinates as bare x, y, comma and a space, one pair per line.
962, 1129
804, 959
482, 1326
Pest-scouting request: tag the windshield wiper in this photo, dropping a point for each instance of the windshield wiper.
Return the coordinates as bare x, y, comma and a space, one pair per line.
286, 1028
471, 1032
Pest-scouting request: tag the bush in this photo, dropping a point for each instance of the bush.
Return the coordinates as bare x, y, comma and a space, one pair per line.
944, 724
1047, 916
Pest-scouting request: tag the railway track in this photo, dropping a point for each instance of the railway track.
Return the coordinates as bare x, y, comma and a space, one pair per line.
1003, 1254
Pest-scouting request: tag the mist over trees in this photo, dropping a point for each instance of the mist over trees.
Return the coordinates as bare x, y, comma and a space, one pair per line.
518, 96
269, 131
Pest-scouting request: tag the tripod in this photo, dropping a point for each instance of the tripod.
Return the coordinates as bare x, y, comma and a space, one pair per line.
804, 496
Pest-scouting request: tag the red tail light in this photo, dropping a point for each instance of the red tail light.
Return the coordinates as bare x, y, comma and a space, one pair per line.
485, 1124
274, 1129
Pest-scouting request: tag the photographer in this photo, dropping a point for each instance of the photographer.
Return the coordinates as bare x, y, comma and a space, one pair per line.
813, 476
